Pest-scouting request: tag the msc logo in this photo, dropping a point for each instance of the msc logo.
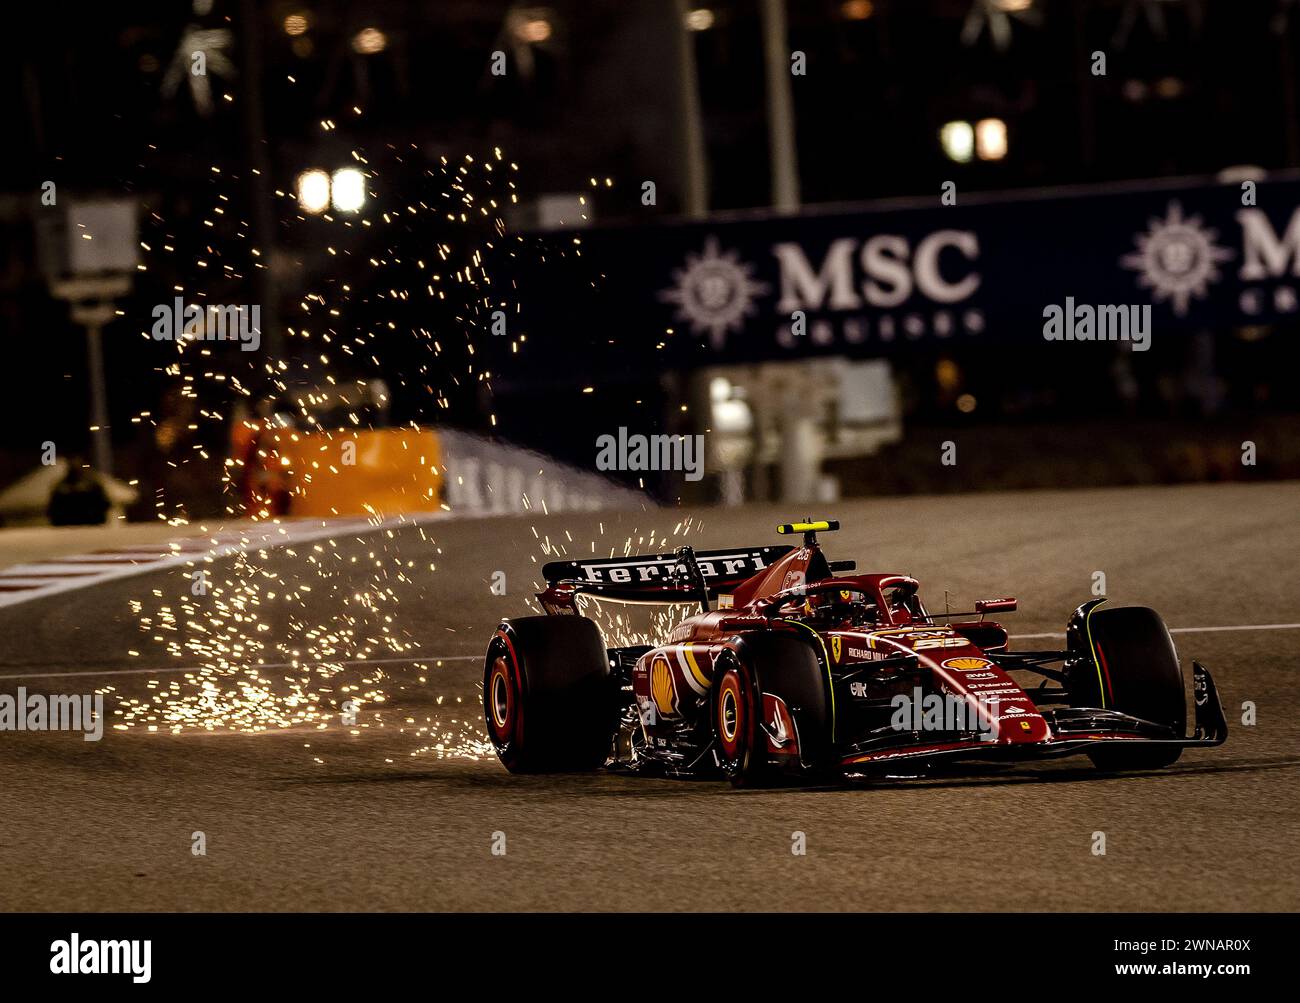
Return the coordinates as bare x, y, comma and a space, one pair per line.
715, 292
837, 643
662, 688
967, 664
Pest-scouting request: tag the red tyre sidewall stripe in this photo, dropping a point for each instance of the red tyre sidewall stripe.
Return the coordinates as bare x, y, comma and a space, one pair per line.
1105, 669
517, 703
731, 683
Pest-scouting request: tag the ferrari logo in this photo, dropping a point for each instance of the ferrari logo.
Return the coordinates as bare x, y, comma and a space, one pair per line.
837, 644
844, 595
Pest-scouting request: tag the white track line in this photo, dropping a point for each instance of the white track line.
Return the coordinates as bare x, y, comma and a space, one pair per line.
37, 580
1183, 630
473, 658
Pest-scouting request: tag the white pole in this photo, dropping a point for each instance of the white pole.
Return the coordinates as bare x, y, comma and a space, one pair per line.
780, 108
101, 446
696, 194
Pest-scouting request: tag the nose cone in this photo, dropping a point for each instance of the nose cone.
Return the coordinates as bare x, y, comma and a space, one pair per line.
1005, 709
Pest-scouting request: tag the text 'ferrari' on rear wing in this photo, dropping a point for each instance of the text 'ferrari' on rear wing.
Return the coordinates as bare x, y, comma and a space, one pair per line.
659, 577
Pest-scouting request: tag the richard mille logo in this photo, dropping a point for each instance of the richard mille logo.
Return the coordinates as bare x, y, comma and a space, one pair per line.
714, 292
1177, 258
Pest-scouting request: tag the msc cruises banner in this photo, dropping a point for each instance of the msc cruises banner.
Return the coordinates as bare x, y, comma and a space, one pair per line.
882, 278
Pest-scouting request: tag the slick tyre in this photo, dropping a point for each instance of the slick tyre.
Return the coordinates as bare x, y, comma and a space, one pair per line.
548, 698
737, 716
1131, 667
786, 669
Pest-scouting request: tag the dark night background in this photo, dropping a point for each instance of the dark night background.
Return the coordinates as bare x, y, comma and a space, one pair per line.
1192, 88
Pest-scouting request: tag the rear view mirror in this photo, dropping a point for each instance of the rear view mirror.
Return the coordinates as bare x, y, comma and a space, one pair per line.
995, 605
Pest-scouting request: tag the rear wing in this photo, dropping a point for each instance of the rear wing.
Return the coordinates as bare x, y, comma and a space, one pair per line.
654, 578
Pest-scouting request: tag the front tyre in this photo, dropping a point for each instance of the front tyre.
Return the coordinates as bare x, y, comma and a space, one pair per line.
548, 698
737, 713
1131, 666
773, 711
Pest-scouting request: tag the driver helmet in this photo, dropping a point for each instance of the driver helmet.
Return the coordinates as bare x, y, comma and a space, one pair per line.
834, 605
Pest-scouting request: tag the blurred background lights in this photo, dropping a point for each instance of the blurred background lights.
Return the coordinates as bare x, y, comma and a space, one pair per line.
947, 375
348, 189
296, 24
313, 190
991, 139
369, 41
958, 141
1169, 87
532, 28
700, 19
856, 10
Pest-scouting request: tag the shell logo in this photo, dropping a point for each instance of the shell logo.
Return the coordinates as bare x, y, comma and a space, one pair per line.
662, 688
967, 663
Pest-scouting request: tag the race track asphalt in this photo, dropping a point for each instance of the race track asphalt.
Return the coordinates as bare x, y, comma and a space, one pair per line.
376, 817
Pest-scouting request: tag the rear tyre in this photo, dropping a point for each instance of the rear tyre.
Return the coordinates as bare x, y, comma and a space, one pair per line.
548, 698
1130, 665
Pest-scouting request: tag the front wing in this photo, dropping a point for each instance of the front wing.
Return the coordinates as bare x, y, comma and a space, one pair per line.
1074, 731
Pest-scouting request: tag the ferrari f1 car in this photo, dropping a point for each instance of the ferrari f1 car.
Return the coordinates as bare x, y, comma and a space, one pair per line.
805, 667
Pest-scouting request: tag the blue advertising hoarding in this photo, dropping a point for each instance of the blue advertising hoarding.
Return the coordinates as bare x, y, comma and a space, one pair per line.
875, 279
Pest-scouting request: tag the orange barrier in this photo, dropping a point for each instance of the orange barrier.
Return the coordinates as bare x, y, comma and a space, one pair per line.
379, 472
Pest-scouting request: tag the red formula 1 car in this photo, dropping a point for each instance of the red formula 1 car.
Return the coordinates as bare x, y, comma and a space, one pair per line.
804, 667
